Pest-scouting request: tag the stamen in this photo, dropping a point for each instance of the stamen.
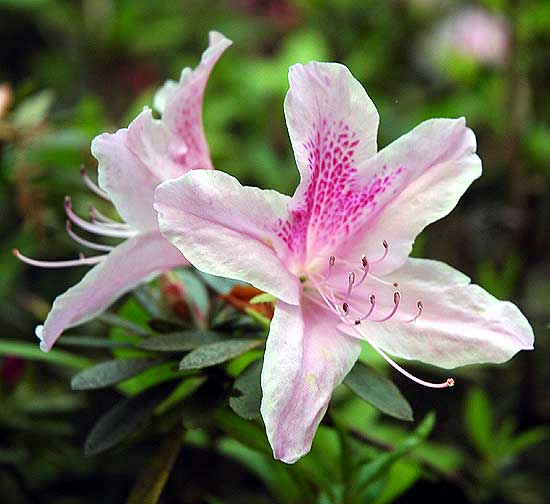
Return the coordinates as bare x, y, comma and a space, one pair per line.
386, 248
396, 300
366, 267
449, 382
83, 261
351, 281
102, 219
90, 184
345, 307
86, 243
331, 262
420, 307
372, 299
94, 227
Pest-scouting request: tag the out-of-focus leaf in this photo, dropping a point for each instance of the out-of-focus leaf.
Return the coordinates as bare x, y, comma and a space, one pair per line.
370, 472
478, 416
32, 352
114, 320
378, 391
165, 326
259, 318
527, 439
216, 353
247, 392
195, 290
121, 420
217, 284
153, 477
144, 296
185, 388
91, 342
181, 341
33, 110
110, 372
198, 408
264, 297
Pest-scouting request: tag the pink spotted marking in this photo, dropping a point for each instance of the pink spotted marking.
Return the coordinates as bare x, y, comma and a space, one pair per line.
334, 205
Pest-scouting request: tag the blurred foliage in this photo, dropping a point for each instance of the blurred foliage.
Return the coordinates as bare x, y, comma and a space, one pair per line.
73, 69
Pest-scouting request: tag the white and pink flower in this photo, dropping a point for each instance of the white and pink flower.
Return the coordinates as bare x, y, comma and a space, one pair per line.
132, 163
336, 253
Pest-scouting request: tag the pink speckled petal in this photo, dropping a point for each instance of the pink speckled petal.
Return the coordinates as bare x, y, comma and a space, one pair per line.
182, 108
225, 229
134, 261
438, 164
460, 323
134, 160
305, 359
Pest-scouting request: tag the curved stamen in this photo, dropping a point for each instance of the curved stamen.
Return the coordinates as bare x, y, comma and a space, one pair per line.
384, 255
449, 382
396, 301
94, 227
83, 261
372, 299
86, 243
90, 184
420, 307
351, 281
366, 266
96, 215
331, 262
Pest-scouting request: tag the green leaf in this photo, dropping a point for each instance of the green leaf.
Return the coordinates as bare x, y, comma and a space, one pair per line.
181, 341
114, 320
33, 110
154, 475
216, 353
217, 284
264, 297
194, 289
527, 439
91, 342
378, 391
247, 392
110, 372
31, 351
478, 416
121, 420
370, 472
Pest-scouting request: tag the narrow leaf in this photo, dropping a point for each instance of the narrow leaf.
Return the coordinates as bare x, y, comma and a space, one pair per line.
264, 297
91, 342
150, 483
181, 341
378, 391
114, 320
247, 392
216, 353
478, 416
110, 372
121, 420
31, 351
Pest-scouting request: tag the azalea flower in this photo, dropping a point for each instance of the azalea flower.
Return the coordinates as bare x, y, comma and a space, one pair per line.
131, 163
336, 253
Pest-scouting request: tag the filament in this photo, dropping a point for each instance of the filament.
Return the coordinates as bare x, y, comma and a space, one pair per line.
90, 184
86, 243
82, 261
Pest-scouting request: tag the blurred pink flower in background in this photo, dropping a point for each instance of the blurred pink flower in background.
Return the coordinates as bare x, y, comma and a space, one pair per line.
473, 33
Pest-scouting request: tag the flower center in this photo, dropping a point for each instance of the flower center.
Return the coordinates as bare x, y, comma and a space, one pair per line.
343, 303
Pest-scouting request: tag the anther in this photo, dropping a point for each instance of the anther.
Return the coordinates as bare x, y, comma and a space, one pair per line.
331, 261
386, 249
420, 308
450, 382
396, 301
345, 307
364, 261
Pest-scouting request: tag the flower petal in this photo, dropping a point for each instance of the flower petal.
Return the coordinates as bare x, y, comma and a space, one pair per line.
305, 359
460, 323
438, 163
182, 109
132, 262
226, 229
326, 107
125, 177
134, 160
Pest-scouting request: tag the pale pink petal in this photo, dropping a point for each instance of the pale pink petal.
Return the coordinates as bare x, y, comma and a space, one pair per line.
305, 359
128, 181
434, 164
225, 229
182, 104
460, 322
134, 160
134, 261
333, 126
